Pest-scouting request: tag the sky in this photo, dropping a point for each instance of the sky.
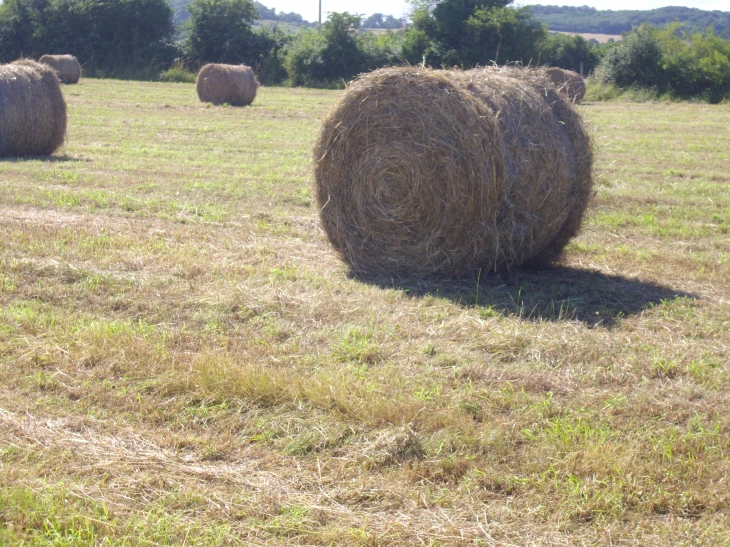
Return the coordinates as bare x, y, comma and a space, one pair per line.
309, 9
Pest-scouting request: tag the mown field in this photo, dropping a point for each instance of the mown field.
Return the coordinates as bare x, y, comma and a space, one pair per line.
184, 361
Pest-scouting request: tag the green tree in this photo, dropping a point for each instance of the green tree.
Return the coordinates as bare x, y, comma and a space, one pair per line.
271, 43
303, 60
324, 57
341, 55
378, 20
472, 32
220, 31
512, 33
105, 35
569, 52
380, 50
636, 60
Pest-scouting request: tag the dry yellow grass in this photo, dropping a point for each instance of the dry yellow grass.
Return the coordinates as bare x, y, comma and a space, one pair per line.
183, 359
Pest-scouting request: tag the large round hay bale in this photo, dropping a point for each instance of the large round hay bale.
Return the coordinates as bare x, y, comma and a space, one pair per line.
68, 68
568, 82
423, 172
232, 84
32, 110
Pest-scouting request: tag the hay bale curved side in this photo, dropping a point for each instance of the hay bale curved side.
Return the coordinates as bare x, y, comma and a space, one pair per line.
568, 82
421, 172
232, 84
582, 190
33, 117
68, 68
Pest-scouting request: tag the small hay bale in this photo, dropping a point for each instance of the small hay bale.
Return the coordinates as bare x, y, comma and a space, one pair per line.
68, 68
424, 173
232, 84
32, 110
568, 82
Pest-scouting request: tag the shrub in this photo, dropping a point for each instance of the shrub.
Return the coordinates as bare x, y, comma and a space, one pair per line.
597, 90
696, 65
178, 73
303, 60
671, 62
323, 58
636, 60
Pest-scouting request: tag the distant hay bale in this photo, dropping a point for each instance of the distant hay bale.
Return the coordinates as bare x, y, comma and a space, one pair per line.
68, 68
568, 82
423, 172
232, 84
33, 111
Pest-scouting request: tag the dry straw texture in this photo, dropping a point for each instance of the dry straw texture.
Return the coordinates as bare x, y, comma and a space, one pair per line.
423, 172
68, 68
568, 82
232, 84
33, 111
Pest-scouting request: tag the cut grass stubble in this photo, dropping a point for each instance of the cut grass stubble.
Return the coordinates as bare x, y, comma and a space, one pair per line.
184, 360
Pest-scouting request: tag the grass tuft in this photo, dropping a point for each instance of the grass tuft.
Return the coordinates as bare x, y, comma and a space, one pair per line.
178, 74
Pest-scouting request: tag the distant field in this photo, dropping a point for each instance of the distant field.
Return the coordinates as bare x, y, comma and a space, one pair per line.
382, 30
184, 361
288, 28
600, 38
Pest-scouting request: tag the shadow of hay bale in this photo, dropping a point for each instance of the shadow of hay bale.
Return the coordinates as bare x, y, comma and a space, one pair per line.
560, 293
232, 84
441, 172
45, 159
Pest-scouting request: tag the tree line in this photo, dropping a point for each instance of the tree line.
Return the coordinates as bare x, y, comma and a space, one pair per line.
128, 37
590, 20
135, 38
113, 35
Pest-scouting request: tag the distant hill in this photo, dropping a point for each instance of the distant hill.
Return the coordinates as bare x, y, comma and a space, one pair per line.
267, 14
180, 14
380, 21
590, 20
